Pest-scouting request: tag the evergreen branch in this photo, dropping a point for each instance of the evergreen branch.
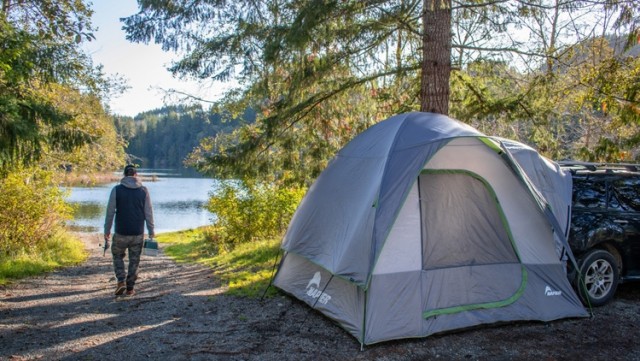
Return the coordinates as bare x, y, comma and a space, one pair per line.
303, 109
190, 96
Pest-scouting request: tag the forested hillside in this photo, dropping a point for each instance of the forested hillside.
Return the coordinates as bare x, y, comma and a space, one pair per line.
162, 138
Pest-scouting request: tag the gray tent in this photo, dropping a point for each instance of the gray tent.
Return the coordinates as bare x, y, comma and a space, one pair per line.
421, 224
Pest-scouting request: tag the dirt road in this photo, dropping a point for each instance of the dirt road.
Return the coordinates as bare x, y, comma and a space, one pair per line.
182, 313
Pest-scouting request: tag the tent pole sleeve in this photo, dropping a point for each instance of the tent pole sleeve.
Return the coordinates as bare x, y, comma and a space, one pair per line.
364, 320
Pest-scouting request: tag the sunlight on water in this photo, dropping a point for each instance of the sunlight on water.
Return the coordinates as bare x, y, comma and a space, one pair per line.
177, 202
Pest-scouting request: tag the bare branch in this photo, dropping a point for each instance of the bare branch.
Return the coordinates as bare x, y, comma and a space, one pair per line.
510, 50
478, 5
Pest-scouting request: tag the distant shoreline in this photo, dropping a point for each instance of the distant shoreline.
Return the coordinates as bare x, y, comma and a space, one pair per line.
92, 179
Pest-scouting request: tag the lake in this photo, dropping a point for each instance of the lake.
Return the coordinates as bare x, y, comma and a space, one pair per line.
177, 199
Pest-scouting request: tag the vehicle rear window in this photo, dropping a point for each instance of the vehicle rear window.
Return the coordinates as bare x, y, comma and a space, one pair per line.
627, 192
589, 193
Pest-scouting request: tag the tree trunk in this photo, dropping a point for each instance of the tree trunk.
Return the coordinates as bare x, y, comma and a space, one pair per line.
436, 57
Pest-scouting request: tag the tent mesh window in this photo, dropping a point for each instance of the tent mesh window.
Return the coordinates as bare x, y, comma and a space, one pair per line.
461, 224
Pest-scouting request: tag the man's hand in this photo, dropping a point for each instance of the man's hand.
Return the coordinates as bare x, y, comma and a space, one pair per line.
107, 236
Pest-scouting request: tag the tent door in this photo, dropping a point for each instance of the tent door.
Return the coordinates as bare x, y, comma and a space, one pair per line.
469, 259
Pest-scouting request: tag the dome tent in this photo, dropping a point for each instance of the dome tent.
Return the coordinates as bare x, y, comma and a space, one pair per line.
421, 224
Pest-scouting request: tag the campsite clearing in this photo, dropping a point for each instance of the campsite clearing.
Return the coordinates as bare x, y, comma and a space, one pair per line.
182, 313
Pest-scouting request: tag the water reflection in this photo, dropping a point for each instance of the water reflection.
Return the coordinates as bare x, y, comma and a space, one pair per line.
178, 201
87, 210
179, 206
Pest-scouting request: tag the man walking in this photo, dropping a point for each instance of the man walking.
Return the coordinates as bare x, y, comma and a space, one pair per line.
130, 203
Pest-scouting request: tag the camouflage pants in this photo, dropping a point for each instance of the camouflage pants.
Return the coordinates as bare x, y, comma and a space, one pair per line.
119, 247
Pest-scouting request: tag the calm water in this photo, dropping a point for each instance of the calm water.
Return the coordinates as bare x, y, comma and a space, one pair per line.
177, 202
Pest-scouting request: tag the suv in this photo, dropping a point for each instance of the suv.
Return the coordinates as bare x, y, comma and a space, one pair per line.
605, 227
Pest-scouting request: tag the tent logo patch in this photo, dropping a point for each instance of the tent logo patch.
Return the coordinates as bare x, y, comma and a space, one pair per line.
313, 290
549, 292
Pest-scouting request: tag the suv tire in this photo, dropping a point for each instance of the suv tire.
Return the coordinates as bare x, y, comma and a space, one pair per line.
598, 277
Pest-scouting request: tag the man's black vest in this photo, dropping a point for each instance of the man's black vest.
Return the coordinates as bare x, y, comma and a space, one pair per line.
130, 210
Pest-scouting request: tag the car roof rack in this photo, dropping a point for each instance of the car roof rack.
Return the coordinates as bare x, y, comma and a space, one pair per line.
593, 166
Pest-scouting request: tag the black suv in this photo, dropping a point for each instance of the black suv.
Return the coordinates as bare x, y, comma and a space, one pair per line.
605, 227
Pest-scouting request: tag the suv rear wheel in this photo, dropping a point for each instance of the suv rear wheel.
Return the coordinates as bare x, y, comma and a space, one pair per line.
599, 277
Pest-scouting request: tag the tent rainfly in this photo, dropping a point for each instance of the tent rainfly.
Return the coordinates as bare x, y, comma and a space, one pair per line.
422, 224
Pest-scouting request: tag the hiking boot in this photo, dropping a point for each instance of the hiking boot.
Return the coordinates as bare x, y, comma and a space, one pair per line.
122, 287
130, 292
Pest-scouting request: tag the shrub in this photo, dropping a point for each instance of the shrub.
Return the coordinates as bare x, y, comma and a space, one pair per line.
249, 211
33, 211
63, 249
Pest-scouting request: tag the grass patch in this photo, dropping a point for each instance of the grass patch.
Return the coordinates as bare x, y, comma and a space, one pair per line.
247, 269
186, 246
61, 250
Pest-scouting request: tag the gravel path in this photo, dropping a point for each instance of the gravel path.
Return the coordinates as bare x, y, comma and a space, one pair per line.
182, 313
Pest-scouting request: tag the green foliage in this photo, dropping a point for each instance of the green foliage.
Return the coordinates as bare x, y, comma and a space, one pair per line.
33, 211
27, 119
51, 117
61, 250
310, 69
595, 102
104, 152
319, 72
42, 73
248, 211
59, 20
499, 100
586, 109
296, 156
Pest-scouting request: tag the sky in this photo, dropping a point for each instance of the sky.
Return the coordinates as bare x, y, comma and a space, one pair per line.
142, 66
